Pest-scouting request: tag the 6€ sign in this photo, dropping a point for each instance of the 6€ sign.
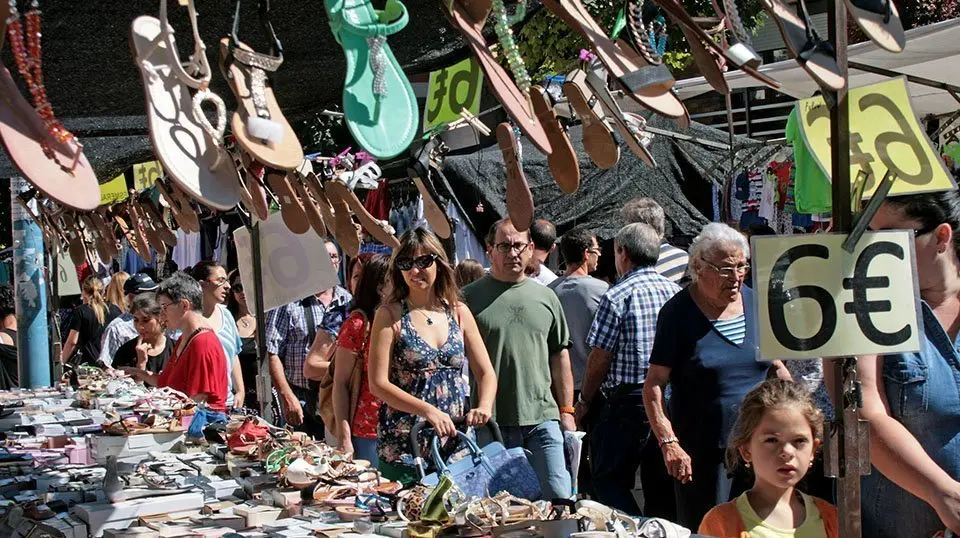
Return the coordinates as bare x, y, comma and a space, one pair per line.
817, 300
884, 135
451, 90
293, 266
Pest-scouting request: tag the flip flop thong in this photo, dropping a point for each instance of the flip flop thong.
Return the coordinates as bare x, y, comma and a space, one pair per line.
815, 55
629, 125
880, 20
519, 200
598, 138
562, 161
378, 101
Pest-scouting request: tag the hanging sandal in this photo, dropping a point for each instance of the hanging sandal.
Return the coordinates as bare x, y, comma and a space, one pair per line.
77, 248
421, 169
187, 211
741, 52
380, 230
630, 125
880, 21
344, 230
379, 105
291, 210
518, 198
814, 55
597, 136
187, 145
139, 219
469, 17
47, 155
100, 243
562, 161
258, 124
315, 188
133, 233
150, 214
650, 85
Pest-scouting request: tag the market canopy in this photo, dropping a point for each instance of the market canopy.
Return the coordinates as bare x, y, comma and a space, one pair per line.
932, 52
677, 183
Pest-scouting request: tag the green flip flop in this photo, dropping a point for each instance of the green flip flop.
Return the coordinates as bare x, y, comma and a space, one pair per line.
378, 101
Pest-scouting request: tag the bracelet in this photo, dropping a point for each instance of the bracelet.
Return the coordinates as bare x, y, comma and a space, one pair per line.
567, 410
668, 440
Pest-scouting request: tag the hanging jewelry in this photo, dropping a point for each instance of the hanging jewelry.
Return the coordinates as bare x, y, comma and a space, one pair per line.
505, 35
658, 35
25, 43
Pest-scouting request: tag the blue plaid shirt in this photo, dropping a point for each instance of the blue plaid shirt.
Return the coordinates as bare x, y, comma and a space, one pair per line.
626, 324
288, 336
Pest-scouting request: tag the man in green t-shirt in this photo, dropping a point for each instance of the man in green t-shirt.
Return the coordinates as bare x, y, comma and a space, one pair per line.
523, 327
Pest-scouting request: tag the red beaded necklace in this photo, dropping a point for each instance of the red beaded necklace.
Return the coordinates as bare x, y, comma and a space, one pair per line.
30, 66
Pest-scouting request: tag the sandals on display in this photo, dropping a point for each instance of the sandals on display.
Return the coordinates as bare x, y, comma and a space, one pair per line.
518, 198
630, 125
644, 80
189, 148
380, 230
154, 220
133, 233
469, 18
251, 181
379, 105
76, 246
258, 124
47, 155
562, 161
741, 52
291, 209
880, 21
815, 55
345, 231
598, 138
420, 169
315, 188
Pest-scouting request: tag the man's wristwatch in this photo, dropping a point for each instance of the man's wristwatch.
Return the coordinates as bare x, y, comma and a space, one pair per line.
668, 440
567, 410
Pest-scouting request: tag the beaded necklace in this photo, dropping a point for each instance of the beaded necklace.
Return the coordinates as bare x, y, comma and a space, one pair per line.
502, 23
25, 42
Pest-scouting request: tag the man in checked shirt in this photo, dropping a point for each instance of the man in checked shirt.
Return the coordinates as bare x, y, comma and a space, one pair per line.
621, 339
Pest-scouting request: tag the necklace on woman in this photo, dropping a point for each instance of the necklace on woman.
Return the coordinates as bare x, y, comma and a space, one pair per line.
423, 312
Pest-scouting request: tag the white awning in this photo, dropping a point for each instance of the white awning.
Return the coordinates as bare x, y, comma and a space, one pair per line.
932, 52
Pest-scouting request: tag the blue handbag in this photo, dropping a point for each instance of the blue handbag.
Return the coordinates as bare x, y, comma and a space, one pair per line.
487, 471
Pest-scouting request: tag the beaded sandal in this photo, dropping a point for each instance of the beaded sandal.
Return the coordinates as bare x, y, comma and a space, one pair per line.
47, 155
258, 124
187, 145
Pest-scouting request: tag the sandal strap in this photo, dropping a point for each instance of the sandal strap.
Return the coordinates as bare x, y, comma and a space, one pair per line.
198, 60
638, 32
646, 76
394, 11
814, 42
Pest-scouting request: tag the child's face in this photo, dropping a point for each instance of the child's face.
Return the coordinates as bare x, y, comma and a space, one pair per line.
782, 447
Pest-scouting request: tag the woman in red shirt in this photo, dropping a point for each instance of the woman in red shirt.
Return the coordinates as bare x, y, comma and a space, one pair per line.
197, 367
356, 427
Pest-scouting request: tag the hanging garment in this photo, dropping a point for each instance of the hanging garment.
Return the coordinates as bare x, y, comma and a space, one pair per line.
466, 243
812, 186
378, 201
187, 252
768, 193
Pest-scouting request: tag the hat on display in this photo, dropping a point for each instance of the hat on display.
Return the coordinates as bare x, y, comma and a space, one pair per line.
139, 283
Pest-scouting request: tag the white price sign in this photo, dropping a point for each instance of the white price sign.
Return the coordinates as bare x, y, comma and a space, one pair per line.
293, 266
817, 300
67, 281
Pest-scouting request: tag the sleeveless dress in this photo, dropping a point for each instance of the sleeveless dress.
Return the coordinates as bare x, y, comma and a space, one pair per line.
435, 376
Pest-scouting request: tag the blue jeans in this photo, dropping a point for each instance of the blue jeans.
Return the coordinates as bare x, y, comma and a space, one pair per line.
545, 442
365, 449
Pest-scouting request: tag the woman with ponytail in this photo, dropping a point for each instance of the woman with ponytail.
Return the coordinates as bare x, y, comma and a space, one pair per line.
87, 324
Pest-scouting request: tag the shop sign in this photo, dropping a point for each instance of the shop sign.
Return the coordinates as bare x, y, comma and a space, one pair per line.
884, 135
146, 174
114, 190
451, 90
67, 281
293, 266
815, 299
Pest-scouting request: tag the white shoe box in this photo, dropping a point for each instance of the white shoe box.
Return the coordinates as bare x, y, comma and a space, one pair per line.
102, 516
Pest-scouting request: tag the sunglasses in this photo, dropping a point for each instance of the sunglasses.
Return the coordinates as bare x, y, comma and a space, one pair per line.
420, 262
237, 288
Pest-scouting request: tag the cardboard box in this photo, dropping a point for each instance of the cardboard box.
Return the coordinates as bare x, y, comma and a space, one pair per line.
257, 515
131, 448
102, 516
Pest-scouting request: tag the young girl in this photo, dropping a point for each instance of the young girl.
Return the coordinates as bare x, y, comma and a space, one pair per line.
776, 436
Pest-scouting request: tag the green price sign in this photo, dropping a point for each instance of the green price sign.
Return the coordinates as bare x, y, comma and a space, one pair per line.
451, 90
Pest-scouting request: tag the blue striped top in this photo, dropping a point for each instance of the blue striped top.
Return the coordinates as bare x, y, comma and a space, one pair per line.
733, 329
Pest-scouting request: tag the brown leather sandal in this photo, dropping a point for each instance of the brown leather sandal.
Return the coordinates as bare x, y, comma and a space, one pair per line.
345, 231
150, 212
372, 226
186, 209
315, 187
100, 243
133, 234
294, 217
310, 206
76, 246
519, 199
598, 138
562, 161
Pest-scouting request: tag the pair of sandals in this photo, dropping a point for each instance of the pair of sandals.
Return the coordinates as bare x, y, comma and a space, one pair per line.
191, 148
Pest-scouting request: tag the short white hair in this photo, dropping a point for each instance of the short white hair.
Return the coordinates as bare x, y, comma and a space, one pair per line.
712, 237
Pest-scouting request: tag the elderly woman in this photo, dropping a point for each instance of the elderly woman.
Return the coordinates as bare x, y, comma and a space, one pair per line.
912, 400
198, 366
705, 350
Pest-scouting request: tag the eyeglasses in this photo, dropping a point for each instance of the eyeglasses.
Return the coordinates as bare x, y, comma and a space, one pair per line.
237, 288
218, 282
507, 247
594, 250
164, 306
729, 270
420, 262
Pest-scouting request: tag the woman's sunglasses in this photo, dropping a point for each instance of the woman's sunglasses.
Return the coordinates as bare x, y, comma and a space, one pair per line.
420, 262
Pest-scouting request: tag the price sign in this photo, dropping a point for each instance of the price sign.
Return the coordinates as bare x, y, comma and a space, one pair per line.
451, 90
293, 266
114, 190
67, 281
146, 174
884, 134
817, 300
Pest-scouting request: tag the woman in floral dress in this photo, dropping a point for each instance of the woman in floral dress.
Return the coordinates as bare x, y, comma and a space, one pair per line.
419, 342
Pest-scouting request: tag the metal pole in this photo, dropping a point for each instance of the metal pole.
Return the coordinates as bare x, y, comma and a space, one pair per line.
33, 344
733, 152
846, 443
264, 381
